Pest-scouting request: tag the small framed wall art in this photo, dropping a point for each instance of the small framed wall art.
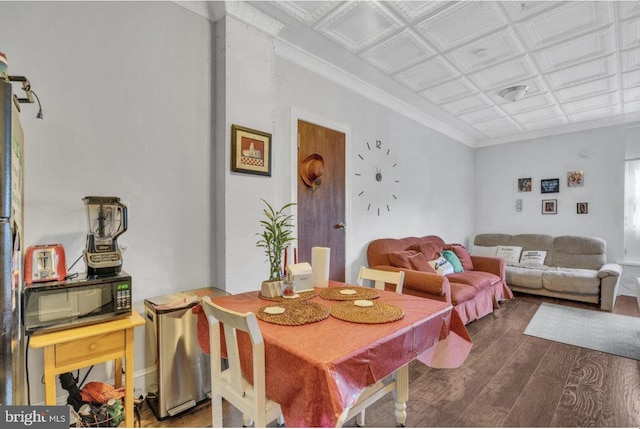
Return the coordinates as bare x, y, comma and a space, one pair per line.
575, 179
582, 208
524, 184
549, 206
548, 186
250, 151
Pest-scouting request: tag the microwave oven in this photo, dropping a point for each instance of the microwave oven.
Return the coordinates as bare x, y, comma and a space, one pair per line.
81, 301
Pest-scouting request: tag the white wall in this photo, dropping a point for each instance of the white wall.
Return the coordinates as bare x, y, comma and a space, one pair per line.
245, 58
126, 89
435, 172
499, 167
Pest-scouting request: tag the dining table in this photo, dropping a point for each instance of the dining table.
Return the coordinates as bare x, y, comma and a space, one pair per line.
316, 369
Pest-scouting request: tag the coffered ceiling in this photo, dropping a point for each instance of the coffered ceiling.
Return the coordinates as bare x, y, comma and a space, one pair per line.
445, 63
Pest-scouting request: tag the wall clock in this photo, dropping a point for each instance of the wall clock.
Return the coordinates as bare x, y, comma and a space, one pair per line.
379, 178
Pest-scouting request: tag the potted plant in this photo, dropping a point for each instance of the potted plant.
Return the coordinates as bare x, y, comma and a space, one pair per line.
275, 237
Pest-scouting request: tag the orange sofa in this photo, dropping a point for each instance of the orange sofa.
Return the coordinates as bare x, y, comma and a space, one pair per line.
475, 291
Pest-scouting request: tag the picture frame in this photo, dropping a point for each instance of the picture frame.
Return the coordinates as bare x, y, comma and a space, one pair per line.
549, 206
250, 151
575, 179
548, 186
524, 184
582, 208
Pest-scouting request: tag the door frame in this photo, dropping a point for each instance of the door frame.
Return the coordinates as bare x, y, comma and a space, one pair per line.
298, 114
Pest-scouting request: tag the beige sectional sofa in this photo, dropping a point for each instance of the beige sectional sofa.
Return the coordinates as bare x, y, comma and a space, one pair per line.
568, 267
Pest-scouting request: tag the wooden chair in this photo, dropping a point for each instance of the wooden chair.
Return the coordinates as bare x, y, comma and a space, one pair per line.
230, 384
372, 393
379, 278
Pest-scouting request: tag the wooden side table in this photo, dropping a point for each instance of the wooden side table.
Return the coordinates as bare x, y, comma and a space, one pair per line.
75, 348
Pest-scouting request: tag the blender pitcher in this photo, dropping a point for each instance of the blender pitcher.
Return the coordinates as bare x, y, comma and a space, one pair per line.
107, 220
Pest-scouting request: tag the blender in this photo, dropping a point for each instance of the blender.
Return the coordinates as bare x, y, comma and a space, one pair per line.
107, 221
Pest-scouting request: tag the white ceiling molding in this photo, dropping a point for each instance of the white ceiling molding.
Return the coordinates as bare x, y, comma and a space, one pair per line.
252, 16
335, 74
243, 11
357, 25
444, 63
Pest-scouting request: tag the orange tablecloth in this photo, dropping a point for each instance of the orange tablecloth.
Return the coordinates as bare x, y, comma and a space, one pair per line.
316, 371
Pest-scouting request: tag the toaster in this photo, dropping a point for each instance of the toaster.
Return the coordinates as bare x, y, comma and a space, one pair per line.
44, 263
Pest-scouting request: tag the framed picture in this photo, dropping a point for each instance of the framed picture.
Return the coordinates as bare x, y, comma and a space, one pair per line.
548, 186
519, 204
549, 206
582, 208
524, 184
575, 179
250, 151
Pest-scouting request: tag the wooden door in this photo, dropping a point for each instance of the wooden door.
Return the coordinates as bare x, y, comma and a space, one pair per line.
321, 206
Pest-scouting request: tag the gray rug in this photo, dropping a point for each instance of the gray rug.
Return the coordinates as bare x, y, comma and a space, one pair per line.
591, 329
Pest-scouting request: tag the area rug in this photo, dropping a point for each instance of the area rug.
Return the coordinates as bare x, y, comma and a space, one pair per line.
591, 329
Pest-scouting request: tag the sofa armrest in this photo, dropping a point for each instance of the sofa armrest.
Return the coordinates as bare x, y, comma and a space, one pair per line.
609, 280
491, 265
610, 269
423, 284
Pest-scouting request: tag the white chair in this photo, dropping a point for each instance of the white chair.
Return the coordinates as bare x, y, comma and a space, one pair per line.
376, 391
230, 384
380, 277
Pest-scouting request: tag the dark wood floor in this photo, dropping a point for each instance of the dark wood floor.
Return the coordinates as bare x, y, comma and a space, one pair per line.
509, 380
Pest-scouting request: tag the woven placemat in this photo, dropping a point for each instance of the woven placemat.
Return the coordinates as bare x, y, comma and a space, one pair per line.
334, 293
295, 313
303, 297
380, 312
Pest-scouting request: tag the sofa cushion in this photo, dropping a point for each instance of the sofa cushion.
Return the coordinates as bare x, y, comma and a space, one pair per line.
489, 240
378, 250
441, 266
529, 277
510, 254
479, 280
463, 254
533, 258
462, 293
484, 251
401, 259
578, 252
531, 241
419, 262
430, 249
453, 259
572, 280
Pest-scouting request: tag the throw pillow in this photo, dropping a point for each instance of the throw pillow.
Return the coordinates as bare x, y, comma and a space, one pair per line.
401, 259
510, 254
450, 256
429, 249
533, 258
420, 263
484, 251
463, 254
441, 266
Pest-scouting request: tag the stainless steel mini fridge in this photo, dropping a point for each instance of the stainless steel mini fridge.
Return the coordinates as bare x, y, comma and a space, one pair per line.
182, 378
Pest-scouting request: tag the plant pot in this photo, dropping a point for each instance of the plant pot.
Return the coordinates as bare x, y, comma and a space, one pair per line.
272, 289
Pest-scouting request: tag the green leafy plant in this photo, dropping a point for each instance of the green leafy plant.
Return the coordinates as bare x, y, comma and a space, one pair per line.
275, 237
